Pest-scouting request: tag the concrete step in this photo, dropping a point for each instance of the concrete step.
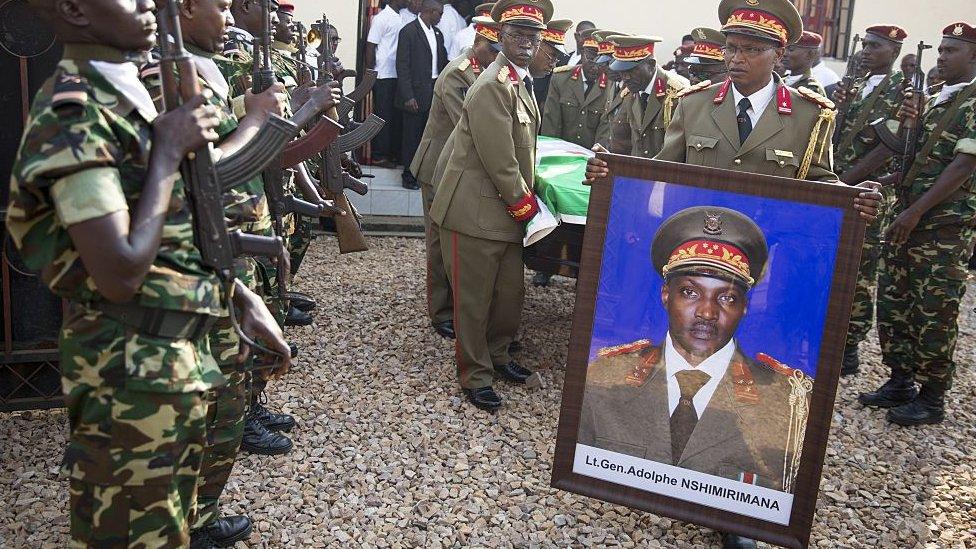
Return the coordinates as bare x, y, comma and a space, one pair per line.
386, 195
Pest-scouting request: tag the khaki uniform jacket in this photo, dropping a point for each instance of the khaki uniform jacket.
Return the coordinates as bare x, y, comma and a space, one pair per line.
492, 165
613, 99
743, 430
647, 126
445, 111
570, 113
705, 133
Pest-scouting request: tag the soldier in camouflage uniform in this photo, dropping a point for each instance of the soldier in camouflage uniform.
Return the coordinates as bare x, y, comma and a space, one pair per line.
88, 188
262, 428
930, 241
875, 97
245, 206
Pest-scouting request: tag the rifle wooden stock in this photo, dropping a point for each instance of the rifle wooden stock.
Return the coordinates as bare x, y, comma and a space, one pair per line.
324, 134
348, 232
255, 245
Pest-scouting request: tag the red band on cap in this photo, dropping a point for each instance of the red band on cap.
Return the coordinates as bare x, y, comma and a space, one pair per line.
719, 255
522, 11
760, 21
708, 50
633, 53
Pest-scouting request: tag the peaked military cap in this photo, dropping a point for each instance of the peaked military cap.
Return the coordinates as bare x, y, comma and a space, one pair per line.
630, 51
710, 241
604, 45
487, 27
708, 46
534, 14
775, 20
484, 10
589, 41
555, 33
892, 33
960, 31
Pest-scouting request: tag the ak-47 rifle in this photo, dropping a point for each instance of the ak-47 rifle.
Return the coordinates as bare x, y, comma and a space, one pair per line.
847, 85
910, 126
336, 181
218, 248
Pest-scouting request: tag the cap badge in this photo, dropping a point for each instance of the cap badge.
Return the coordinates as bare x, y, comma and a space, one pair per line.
713, 224
957, 31
893, 33
701, 34
752, 2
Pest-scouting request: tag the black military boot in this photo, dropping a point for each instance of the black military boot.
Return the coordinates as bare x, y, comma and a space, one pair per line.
300, 301
223, 532
272, 421
735, 541
297, 317
851, 363
898, 390
259, 440
928, 407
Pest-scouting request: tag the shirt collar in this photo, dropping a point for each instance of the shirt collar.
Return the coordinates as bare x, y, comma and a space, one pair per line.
522, 73
760, 99
714, 365
424, 25
243, 33
208, 70
947, 92
124, 77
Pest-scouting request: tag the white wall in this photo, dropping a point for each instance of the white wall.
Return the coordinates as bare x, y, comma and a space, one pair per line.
671, 20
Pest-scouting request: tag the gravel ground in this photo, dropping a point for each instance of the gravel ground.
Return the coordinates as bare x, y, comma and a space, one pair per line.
388, 455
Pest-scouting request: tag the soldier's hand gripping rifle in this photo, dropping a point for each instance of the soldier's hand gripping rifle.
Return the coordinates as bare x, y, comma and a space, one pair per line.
910, 126
217, 246
847, 88
336, 180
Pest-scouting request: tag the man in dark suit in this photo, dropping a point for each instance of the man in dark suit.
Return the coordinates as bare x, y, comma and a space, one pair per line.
421, 56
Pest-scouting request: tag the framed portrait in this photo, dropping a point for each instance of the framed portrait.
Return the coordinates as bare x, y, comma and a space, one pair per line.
709, 328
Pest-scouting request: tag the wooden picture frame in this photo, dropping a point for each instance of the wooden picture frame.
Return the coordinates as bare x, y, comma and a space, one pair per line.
828, 355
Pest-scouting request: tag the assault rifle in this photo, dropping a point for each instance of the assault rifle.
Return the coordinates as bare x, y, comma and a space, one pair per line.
910, 126
847, 85
218, 248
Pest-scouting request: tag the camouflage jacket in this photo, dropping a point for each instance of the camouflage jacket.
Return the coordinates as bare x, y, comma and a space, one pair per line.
84, 155
806, 81
245, 206
959, 137
857, 138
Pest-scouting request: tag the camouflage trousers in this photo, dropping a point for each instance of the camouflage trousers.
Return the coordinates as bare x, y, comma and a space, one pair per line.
920, 290
148, 446
299, 242
862, 310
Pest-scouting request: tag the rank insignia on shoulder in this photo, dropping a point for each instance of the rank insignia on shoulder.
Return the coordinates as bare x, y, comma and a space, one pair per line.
506, 74
70, 90
616, 350
816, 98
694, 89
625, 93
649, 358
743, 384
464, 64
774, 364
564, 68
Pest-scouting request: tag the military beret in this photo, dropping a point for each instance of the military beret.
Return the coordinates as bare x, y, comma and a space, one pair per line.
810, 40
960, 31
487, 27
523, 13
710, 241
775, 20
286, 7
708, 45
892, 33
629, 51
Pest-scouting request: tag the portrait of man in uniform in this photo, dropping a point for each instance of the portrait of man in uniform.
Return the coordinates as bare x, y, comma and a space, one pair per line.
696, 399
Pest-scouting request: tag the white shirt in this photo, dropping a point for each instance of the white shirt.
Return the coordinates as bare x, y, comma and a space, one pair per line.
451, 22
208, 70
824, 74
462, 40
715, 366
432, 42
872, 83
574, 58
125, 78
407, 16
384, 32
946, 93
792, 79
522, 72
759, 100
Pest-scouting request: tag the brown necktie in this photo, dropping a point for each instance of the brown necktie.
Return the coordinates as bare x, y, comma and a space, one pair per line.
684, 418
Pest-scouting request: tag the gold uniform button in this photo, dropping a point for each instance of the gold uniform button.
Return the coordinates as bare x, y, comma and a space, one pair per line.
698, 146
782, 163
737, 161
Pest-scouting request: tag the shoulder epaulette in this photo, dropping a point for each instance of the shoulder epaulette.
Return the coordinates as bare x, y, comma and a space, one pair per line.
504, 74
743, 384
616, 350
695, 89
564, 68
70, 90
676, 84
464, 64
649, 358
816, 98
774, 365
625, 93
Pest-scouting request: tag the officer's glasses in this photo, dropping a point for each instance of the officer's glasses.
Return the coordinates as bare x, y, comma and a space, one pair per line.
524, 39
746, 51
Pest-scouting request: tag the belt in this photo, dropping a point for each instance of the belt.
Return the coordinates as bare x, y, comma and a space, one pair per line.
158, 322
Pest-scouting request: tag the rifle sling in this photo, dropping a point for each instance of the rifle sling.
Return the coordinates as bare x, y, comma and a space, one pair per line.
862, 117
936, 134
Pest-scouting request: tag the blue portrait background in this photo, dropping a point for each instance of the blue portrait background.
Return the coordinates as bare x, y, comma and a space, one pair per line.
787, 308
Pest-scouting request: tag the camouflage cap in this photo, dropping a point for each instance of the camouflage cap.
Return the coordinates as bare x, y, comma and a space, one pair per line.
710, 241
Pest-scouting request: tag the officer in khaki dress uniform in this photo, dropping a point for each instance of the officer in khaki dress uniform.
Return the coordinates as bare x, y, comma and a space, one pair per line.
613, 97
445, 112
707, 59
696, 400
649, 98
577, 99
484, 199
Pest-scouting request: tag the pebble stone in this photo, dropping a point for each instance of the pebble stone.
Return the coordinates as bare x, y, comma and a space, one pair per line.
387, 454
